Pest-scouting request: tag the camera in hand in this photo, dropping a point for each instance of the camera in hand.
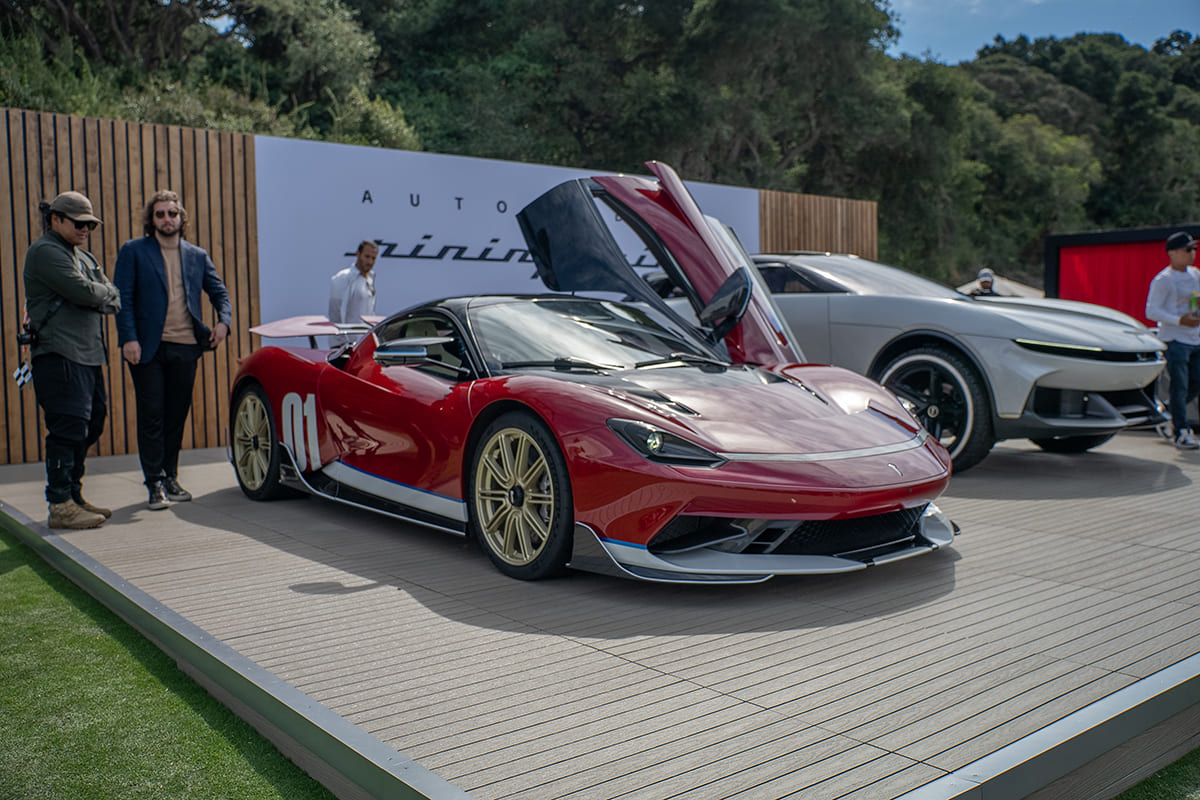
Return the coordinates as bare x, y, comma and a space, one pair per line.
28, 335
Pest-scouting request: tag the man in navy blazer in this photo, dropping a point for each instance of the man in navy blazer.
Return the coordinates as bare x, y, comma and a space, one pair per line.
162, 335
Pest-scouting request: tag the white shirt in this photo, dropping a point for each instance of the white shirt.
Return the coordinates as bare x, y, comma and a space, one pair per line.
1169, 298
351, 297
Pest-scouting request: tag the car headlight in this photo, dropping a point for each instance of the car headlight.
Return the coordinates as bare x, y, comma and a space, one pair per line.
1089, 352
661, 446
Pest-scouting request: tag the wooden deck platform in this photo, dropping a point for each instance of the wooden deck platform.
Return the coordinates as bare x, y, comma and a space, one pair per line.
1071, 586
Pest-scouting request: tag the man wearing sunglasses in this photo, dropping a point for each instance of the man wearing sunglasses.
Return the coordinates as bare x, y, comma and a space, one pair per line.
162, 335
66, 297
1174, 303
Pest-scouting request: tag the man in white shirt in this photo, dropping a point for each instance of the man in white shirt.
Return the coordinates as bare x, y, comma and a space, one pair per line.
352, 291
1173, 302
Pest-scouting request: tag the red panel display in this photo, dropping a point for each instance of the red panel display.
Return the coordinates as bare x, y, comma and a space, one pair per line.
1115, 275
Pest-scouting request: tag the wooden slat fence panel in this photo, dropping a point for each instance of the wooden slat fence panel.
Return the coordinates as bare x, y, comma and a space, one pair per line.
31, 446
103, 187
812, 222
249, 289
124, 228
118, 165
10, 419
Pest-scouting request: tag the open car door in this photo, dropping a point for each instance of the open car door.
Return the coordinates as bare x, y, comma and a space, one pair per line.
575, 250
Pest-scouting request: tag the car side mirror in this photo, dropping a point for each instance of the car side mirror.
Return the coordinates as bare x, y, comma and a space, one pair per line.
728, 304
400, 352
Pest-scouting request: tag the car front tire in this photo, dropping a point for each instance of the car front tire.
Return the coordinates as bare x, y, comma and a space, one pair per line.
947, 395
520, 502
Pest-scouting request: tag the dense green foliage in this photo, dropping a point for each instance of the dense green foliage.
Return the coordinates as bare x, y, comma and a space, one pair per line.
90, 709
970, 163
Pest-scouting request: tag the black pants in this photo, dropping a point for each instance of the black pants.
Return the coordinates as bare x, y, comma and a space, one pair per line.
74, 405
163, 387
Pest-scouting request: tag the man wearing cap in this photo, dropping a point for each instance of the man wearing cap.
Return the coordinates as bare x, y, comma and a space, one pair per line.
987, 282
1173, 302
66, 297
162, 335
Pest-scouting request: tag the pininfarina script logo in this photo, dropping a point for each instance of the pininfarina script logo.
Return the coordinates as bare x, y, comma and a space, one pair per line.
426, 250
452, 252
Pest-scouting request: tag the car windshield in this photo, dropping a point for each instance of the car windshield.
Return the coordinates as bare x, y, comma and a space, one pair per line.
861, 276
575, 332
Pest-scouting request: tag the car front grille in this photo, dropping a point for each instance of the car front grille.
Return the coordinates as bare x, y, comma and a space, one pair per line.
1118, 407
859, 538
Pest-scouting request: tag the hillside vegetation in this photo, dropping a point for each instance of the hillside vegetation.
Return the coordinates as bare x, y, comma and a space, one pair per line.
972, 163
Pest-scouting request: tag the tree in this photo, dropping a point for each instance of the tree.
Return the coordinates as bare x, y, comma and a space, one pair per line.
1017, 87
1037, 182
298, 67
1140, 117
582, 83
140, 34
1032, 137
1151, 170
928, 187
785, 87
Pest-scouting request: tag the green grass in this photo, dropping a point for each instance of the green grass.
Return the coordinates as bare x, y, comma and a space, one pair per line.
1179, 781
91, 709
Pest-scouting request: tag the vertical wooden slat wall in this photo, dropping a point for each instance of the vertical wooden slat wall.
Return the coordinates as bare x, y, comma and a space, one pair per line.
813, 222
118, 165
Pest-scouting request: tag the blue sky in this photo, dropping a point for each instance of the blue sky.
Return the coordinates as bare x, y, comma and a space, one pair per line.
951, 31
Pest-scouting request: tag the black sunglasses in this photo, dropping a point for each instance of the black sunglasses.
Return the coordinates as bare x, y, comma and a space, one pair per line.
90, 224
172, 213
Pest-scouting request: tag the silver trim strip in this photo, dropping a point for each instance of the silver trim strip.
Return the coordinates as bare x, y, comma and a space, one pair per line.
397, 492
918, 440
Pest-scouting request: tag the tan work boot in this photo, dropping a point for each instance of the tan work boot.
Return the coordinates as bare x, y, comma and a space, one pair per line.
86, 506
71, 516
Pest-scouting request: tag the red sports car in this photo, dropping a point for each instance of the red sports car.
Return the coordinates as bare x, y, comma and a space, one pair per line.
595, 428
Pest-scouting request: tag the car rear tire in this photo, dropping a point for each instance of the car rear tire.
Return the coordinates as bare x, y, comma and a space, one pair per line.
1072, 444
519, 498
947, 395
255, 445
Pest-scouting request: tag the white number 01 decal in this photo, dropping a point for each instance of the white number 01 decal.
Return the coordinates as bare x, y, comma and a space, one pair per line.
299, 425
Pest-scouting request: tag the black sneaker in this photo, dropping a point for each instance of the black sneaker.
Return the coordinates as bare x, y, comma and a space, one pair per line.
174, 491
158, 499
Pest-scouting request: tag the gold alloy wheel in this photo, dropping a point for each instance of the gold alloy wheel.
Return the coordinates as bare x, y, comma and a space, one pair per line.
252, 441
514, 496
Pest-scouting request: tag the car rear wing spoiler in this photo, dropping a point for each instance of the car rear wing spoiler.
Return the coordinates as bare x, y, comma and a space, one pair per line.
311, 327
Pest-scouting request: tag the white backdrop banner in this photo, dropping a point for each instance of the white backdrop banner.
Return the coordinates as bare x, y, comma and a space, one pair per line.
446, 225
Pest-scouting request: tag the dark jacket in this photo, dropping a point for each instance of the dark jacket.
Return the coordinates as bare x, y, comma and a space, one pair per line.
66, 297
141, 276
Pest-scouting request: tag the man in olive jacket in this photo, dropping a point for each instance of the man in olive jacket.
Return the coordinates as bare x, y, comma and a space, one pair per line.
66, 298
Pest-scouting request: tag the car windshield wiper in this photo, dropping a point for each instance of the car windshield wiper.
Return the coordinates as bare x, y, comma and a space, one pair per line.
563, 364
685, 358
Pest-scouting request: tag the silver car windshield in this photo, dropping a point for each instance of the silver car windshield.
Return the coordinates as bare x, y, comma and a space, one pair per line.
861, 276
575, 330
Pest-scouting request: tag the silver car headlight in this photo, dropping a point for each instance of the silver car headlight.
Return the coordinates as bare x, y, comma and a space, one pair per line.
1084, 351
